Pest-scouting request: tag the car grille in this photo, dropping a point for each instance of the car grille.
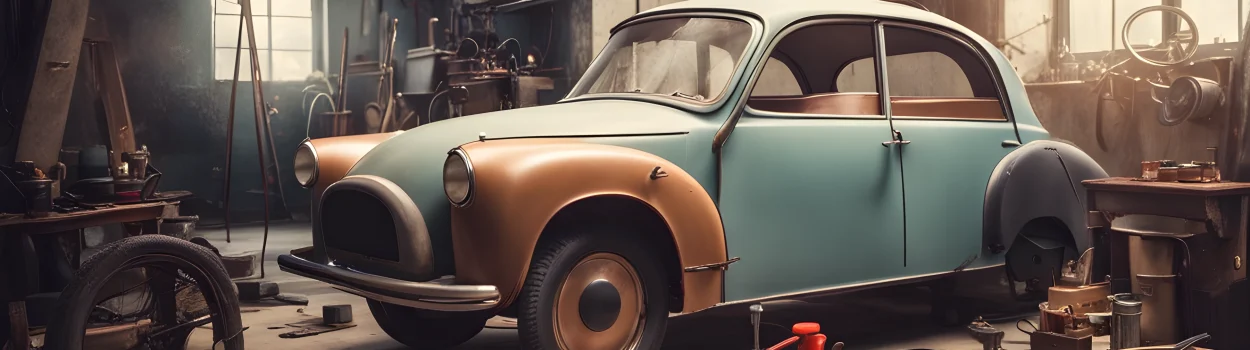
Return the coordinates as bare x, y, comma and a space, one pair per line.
358, 222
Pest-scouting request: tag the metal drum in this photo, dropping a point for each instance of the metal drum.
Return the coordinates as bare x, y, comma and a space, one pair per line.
1125, 321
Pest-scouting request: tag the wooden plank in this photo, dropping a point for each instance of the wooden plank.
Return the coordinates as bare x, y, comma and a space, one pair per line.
1124, 184
59, 222
43, 125
113, 95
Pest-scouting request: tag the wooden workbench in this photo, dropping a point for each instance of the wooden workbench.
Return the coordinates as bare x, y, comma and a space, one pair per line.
15, 231
1214, 295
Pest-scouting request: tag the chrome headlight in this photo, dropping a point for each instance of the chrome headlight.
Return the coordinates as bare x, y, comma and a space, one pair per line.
458, 178
306, 165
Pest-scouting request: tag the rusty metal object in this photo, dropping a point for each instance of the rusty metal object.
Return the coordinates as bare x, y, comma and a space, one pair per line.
989, 337
1083, 299
123, 336
234, 92
497, 251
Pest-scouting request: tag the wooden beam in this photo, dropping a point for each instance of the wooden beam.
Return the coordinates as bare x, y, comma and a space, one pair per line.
113, 95
43, 126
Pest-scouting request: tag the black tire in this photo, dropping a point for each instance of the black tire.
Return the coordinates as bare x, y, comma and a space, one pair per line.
426, 330
553, 261
65, 331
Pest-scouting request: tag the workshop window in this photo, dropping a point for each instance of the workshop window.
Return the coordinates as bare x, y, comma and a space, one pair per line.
1091, 29
284, 39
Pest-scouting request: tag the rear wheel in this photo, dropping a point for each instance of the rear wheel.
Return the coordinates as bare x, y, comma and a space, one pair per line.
593, 290
427, 330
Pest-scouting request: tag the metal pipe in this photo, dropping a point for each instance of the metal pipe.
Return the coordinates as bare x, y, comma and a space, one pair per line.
258, 104
234, 88
430, 26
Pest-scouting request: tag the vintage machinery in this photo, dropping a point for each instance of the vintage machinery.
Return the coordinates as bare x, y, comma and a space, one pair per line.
476, 72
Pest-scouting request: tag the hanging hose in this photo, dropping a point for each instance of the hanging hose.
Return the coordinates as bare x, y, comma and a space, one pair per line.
308, 124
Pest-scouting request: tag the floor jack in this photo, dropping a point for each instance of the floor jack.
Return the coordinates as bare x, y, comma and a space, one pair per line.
806, 334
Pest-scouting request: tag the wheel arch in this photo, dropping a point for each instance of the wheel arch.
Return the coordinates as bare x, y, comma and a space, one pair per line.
1039, 181
528, 188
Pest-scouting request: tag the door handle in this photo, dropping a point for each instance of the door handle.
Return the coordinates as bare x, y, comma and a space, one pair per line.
1010, 143
895, 142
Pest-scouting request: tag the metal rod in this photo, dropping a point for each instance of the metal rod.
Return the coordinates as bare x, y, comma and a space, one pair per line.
342, 99
234, 88
258, 104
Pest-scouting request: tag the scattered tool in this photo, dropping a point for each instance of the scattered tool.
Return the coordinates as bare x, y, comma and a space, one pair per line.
989, 337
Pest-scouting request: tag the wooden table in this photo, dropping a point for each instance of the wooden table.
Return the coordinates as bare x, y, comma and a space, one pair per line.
16, 230
1214, 294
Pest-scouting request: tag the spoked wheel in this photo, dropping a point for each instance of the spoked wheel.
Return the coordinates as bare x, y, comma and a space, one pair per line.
147, 292
594, 291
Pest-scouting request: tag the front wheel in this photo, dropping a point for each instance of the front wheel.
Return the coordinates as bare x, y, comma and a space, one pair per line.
593, 290
426, 330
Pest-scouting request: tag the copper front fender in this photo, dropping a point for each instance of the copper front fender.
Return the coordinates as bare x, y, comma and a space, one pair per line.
521, 184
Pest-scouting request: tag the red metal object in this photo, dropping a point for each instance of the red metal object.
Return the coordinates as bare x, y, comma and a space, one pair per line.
807, 335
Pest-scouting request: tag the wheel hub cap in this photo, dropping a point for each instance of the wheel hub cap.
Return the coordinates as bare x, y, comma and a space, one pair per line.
599, 305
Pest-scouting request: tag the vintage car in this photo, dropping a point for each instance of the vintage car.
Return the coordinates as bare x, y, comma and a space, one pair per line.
717, 153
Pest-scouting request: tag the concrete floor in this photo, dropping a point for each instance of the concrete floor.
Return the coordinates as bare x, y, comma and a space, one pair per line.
890, 318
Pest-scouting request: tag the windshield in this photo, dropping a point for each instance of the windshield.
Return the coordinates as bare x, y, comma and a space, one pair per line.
686, 58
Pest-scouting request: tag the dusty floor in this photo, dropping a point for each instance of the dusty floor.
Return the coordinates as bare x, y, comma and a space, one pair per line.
892, 318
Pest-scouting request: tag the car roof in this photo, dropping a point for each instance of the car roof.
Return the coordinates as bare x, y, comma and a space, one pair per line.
780, 13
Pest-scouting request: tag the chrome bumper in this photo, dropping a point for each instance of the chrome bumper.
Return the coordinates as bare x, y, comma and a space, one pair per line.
439, 294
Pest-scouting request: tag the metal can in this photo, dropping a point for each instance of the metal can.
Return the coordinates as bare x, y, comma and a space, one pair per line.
1125, 321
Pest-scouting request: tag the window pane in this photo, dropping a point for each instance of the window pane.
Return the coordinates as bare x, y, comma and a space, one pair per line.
226, 31
223, 65
1215, 19
259, 7
297, 8
1090, 24
291, 65
935, 76
776, 80
859, 76
292, 33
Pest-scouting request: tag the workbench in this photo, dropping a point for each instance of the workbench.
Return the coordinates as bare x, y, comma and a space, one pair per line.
16, 230
1212, 293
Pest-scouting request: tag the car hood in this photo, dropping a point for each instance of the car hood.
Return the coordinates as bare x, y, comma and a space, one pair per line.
414, 159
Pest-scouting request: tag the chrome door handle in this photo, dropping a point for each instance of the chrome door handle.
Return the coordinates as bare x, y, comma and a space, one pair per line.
895, 142
1010, 143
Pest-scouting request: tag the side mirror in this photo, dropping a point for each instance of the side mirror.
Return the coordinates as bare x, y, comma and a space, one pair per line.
1190, 97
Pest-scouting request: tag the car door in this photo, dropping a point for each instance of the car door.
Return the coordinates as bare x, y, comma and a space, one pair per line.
809, 197
946, 104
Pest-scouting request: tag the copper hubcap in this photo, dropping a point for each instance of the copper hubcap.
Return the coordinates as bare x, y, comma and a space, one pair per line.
594, 273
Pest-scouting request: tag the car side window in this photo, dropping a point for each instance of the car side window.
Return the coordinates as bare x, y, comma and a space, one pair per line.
777, 79
932, 75
803, 83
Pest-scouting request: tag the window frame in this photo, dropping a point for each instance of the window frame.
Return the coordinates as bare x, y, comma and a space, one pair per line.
767, 51
266, 76
1062, 32
979, 54
882, 75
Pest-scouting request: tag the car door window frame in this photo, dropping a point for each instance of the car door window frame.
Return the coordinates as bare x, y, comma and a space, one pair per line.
979, 53
743, 107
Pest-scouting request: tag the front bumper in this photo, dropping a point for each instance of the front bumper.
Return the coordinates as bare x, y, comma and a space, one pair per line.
439, 295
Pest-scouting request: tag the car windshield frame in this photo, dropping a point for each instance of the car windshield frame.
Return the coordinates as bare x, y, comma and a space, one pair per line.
602, 61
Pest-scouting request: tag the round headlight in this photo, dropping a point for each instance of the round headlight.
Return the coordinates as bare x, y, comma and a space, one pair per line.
458, 178
305, 165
